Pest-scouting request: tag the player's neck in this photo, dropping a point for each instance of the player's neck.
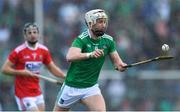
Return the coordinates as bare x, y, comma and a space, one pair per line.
93, 36
31, 46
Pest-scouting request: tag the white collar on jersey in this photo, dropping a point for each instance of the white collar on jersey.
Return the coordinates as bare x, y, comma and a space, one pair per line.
32, 48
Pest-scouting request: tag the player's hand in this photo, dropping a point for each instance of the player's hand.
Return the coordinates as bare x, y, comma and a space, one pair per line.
97, 53
121, 67
27, 73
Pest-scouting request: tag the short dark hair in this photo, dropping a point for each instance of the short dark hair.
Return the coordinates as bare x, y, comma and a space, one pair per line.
27, 25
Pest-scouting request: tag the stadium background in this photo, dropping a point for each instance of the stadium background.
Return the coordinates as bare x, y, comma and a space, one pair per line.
139, 27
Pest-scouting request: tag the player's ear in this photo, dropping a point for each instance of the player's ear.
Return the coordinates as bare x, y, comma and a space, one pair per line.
89, 25
24, 34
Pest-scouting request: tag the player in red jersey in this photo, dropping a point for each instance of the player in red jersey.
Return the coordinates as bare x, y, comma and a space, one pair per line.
26, 60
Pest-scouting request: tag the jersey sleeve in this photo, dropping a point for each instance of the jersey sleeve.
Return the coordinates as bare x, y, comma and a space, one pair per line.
13, 56
77, 43
112, 46
47, 58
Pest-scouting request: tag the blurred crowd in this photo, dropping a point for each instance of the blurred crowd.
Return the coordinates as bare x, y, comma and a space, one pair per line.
139, 27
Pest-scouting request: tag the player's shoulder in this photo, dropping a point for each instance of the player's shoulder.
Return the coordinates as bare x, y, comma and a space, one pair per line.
24, 46
41, 46
83, 35
20, 48
108, 37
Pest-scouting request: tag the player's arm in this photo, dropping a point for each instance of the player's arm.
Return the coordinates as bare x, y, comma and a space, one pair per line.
55, 70
75, 54
117, 61
8, 68
75, 51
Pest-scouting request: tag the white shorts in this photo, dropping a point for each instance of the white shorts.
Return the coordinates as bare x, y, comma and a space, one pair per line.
27, 103
70, 95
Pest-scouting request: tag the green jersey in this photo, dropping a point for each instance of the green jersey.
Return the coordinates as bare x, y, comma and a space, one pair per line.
85, 73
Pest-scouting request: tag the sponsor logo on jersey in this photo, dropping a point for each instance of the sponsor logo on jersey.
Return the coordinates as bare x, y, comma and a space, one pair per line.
33, 66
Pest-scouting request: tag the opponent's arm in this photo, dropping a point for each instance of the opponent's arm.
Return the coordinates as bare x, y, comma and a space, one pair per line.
117, 61
75, 54
8, 68
55, 70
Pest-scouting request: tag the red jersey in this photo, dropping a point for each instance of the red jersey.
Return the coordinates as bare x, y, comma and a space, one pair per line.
25, 57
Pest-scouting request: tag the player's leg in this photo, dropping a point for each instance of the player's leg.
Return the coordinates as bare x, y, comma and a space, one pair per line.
58, 104
66, 98
20, 104
41, 106
26, 104
93, 99
40, 102
58, 108
95, 103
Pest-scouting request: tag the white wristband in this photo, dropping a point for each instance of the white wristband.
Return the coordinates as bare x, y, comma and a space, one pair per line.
88, 54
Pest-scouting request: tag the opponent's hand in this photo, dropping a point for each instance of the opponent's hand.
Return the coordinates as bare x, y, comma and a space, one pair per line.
97, 53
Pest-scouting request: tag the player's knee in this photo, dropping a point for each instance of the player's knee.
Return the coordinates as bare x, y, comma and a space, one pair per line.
58, 108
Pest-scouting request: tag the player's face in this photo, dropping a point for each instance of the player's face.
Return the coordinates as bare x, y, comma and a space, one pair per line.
32, 35
99, 28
